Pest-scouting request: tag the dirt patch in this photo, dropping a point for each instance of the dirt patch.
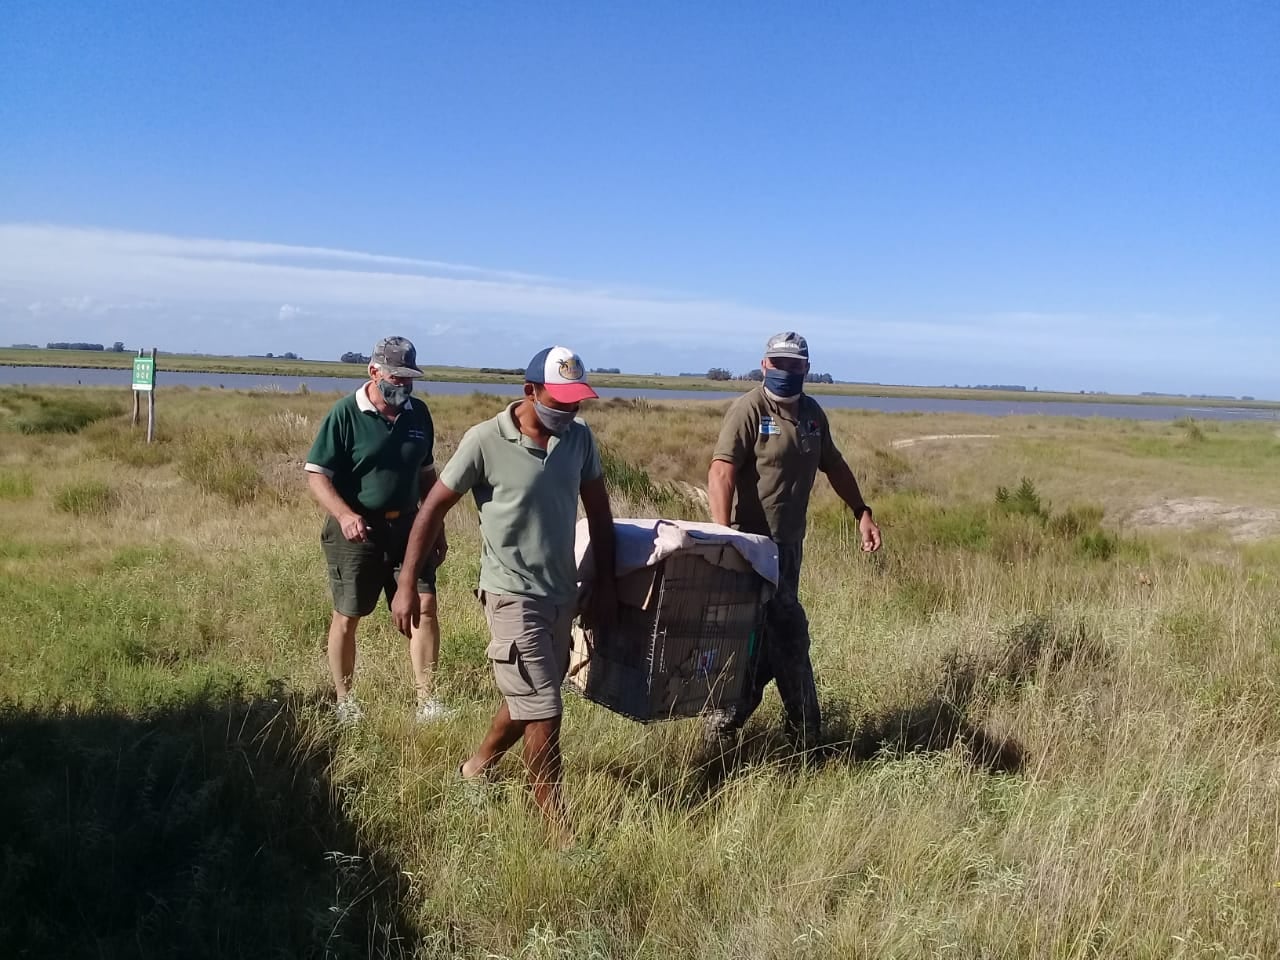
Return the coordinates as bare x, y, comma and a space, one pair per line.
1241, 522
912, 441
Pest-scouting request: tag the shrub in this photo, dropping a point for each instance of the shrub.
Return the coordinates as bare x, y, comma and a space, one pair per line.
1025, 500
61, 415
1076, 521
215, 465
88, 498
16, 485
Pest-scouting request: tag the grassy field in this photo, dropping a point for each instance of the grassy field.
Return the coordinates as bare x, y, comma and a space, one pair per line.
96, 359
1054, 729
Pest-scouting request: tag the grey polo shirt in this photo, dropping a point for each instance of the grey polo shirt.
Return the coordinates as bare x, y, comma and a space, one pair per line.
528, 503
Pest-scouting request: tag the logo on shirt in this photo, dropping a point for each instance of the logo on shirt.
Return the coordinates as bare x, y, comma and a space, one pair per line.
417, 435
769, 427
814, 426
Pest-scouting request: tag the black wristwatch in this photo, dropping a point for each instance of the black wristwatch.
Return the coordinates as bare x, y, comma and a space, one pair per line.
857, 514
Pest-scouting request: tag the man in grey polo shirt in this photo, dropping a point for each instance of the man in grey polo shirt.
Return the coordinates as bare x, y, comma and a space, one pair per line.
526, 468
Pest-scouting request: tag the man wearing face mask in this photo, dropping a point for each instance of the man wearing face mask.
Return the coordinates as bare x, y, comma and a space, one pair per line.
369, 468
773, 442
527, 468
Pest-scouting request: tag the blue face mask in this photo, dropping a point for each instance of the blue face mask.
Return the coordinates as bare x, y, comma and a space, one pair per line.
783, 384
396, 394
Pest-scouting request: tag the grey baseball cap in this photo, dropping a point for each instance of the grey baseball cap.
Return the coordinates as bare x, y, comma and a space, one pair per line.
396, 357
787, 344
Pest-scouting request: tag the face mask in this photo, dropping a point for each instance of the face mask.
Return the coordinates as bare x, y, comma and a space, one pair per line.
784, 385
396, 394
555, 421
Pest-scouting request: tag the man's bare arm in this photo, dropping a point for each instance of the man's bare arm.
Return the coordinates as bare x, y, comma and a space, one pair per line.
326, 494
846, 488
720, 483
595, 503
427, 526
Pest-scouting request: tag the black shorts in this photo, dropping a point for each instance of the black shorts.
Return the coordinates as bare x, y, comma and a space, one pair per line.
361, 572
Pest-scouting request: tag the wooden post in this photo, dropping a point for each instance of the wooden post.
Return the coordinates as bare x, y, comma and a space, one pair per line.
137, 401
151, 403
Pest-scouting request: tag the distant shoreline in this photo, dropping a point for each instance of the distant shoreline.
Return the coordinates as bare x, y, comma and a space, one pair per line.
276, 366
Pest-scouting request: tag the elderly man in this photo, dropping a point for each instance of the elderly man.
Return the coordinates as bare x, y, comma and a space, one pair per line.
369, 468
527, 468
772, 443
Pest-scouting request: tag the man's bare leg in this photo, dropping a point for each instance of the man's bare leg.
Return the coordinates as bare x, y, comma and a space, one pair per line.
424, 646
502, 736
545, 768
342, 652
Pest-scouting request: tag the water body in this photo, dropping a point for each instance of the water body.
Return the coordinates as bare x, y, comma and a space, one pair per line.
47, 376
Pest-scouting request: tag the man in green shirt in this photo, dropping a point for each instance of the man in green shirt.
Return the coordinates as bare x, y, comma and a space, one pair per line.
526, 469
370, 466
773, 442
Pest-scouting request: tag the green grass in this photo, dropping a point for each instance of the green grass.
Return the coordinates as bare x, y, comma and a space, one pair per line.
1052, 734
86, 498
16, 485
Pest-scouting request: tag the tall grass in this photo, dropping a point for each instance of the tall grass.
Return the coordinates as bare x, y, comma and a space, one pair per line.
1049, 734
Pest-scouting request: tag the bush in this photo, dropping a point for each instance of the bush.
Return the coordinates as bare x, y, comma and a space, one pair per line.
1097, 545
216, 466
1076, 521
61, 415
1025, 500
16, 485
89, 498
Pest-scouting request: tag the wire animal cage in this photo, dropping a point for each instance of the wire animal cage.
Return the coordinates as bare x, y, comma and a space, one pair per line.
687, 635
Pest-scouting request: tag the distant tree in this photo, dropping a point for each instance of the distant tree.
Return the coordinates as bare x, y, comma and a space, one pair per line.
270, 356
605, 370
756, 375
118, 347
73, 346
354, 356
719, 373
290, 355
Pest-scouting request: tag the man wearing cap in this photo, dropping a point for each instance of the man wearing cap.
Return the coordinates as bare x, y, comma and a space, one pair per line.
772, 443
526, 469
370, 466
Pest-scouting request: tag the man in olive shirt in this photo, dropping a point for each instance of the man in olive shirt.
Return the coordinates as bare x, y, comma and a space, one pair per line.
370, 466
527, 468
772, 443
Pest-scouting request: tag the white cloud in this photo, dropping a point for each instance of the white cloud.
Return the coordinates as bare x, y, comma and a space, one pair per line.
236, 296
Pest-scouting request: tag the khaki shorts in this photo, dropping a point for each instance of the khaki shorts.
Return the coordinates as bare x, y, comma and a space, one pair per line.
529, 650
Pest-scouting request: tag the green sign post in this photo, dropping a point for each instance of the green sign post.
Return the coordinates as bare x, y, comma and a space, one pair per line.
144, 381
144, 373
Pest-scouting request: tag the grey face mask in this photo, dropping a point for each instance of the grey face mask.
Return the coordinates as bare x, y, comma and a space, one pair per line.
555, 421
395, 394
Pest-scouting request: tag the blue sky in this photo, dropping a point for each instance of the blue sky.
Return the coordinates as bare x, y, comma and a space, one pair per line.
1078, 196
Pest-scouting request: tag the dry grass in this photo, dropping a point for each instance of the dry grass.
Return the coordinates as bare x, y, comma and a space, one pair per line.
1039, 747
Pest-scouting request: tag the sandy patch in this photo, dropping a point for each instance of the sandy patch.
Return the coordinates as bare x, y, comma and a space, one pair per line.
1241, 522
912, 441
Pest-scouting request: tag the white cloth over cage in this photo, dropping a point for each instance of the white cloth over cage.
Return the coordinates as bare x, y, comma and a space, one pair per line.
645, 543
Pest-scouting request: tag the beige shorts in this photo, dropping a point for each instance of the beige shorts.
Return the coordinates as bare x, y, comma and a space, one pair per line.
529, 650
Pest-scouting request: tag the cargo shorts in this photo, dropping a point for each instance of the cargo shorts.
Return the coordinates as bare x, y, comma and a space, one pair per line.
360, 573
529, 650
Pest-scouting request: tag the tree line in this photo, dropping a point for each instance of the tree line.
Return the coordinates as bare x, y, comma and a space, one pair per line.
721, 373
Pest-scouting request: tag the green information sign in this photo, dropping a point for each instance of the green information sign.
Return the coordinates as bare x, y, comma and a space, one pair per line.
144, 373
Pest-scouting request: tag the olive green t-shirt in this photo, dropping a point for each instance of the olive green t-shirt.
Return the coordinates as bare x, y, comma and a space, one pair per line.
777, 450
374, 463
528, 503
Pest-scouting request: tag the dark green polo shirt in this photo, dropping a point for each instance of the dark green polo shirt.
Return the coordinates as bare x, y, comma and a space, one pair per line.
777, 450
528, 503
374, 463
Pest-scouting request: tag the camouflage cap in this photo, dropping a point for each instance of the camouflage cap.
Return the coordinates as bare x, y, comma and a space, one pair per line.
396, 357
787, 344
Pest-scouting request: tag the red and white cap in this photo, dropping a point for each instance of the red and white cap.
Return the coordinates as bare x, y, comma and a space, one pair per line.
560, 370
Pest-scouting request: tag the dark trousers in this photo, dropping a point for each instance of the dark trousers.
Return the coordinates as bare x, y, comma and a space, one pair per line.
784, 659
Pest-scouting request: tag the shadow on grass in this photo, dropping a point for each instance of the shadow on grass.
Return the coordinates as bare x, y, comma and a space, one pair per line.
203, 830
949, 713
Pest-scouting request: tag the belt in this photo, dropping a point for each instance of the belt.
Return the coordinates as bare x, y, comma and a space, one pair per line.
382, 515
